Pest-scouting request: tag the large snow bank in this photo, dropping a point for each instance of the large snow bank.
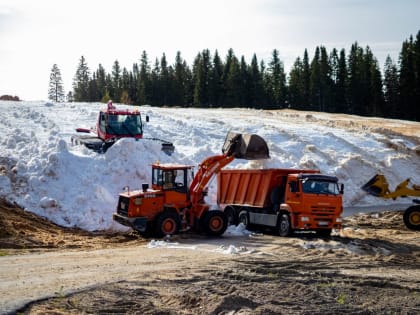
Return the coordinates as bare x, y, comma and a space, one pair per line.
73, 186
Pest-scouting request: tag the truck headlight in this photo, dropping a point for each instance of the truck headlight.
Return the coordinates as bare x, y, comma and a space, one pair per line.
339, 220
304, 219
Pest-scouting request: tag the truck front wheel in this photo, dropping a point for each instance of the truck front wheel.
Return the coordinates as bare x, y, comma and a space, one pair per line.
412, 218
214, 223
284, 227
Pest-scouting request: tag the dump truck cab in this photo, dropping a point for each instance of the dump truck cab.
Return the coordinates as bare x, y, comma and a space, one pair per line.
313, 201
285, 200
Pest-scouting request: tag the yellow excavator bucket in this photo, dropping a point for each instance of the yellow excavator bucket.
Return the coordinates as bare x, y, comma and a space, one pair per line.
377, 186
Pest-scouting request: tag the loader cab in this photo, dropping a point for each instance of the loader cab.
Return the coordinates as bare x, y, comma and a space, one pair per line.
172, 177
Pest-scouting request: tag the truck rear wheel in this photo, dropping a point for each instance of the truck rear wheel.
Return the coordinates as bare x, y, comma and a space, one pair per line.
214, 223
284, 227
232, 218
412, 218
167, 223
244, 218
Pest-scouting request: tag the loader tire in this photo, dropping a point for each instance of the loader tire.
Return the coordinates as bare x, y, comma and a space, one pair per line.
214, 223
412, 218
167, 223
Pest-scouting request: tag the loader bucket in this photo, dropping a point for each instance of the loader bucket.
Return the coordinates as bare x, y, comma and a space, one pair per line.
377, 186
245, 146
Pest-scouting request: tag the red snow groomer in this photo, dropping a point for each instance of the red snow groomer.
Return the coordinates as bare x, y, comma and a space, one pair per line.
113, 124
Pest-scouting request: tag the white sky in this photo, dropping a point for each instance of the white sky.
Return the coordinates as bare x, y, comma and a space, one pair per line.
34, 35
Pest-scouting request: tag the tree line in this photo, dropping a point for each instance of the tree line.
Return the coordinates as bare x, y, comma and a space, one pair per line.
334, 81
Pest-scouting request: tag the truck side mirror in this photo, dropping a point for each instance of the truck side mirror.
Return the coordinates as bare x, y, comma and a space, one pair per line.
147, 118
342, 189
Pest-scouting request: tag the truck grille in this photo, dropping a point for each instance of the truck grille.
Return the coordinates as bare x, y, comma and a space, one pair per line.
123, 204
322, 210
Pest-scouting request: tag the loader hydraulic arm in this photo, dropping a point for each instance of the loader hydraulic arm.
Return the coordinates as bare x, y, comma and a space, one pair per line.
236, 146
206, 170
378, 186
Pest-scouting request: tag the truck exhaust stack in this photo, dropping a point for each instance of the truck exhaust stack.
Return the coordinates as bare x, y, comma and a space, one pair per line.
245, 146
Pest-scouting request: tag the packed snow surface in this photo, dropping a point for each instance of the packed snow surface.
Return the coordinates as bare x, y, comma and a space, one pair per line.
72, 186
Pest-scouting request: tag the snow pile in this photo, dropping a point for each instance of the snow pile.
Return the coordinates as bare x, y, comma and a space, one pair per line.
73, 186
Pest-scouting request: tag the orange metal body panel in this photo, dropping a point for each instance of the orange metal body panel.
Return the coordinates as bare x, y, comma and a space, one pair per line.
251, 187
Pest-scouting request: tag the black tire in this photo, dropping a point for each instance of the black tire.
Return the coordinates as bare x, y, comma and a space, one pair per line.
232, 218
244, 218
167, 223
323, 232
284, 227
214, 223
412, 218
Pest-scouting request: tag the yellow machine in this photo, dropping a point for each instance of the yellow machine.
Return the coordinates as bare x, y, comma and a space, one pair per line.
378, 186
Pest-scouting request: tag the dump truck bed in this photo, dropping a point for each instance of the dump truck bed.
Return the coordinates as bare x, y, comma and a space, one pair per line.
252, 187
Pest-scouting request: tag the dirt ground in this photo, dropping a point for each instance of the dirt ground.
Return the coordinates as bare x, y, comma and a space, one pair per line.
372, 266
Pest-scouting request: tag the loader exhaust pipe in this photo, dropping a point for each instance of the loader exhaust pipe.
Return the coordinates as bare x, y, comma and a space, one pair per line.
245, 146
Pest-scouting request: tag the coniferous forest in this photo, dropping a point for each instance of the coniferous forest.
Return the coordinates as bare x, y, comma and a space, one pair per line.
333, 81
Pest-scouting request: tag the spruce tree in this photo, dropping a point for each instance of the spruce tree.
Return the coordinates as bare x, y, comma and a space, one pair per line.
81, 82
232, 80
391, 88
277, 80
116, 81
216, 83
256, 84
143, 90
56, 90
341, 104
315, 83
296, 85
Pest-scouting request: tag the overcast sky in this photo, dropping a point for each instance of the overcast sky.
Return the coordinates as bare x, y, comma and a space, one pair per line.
34, 35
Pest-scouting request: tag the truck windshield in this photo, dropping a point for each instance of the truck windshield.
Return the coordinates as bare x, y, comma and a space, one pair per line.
320, 187
119, 124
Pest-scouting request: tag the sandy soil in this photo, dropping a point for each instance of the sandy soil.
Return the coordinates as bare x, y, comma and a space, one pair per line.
370, 267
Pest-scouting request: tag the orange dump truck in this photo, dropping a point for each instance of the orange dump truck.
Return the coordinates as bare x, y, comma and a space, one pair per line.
286, 200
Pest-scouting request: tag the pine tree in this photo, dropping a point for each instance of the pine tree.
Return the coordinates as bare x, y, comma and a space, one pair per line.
179, 81
256, 84
277, 80
143, 91
101, 82
391, 88
315, 82
232, 80
216, 84
81, 82
341, 104
56, 90
116, 81
245, 83
306, 81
